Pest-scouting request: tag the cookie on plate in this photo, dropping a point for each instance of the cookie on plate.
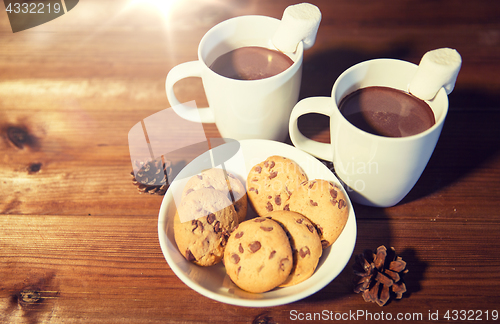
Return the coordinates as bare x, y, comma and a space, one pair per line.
271, 182
224, 181
305, 243
211, 218
324, 204
258, 256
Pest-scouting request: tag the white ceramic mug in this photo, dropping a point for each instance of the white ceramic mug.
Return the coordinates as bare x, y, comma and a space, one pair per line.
241, 109
377, 170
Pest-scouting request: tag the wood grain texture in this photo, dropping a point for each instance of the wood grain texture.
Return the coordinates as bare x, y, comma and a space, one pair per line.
79, 244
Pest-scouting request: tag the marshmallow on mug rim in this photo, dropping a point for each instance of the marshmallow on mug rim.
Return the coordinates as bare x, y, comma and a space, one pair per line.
438, 68
300, 22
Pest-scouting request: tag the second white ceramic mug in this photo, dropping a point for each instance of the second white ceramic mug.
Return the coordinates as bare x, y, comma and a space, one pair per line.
377, 170
241, 109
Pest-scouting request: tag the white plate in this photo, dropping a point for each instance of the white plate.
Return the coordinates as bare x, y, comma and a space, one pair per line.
213, 282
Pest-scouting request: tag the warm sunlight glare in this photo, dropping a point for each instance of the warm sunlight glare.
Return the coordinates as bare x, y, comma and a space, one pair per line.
162, 6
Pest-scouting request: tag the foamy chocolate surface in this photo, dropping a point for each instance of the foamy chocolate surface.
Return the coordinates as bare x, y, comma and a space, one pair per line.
387, 112
251, 63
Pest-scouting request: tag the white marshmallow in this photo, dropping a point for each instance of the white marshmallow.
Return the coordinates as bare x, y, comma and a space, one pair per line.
300, 22
438, 68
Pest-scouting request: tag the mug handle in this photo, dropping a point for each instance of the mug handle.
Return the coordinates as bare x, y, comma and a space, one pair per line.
320, 105
182, 71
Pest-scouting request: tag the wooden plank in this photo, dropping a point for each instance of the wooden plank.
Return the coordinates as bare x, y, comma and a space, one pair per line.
94, 267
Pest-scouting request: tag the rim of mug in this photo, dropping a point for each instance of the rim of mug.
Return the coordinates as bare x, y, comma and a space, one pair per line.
295, 66
336, 110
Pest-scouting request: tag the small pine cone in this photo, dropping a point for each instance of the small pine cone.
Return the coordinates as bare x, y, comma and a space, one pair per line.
379, 275
152, 176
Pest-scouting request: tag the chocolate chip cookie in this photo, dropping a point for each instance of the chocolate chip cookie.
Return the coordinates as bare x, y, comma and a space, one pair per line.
211, 218
305, 243
258, 256
224, 181
324, 204
271, 182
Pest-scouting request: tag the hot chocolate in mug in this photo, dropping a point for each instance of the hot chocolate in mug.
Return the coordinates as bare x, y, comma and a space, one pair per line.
377, 170
241, 109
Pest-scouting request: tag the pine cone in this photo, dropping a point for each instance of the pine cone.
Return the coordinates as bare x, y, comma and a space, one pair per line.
379, 276
152, 176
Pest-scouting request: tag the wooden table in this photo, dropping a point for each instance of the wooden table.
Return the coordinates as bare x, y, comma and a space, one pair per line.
78, 243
